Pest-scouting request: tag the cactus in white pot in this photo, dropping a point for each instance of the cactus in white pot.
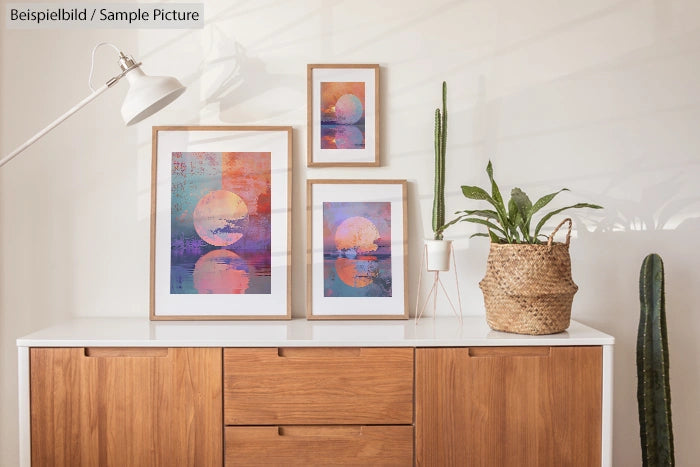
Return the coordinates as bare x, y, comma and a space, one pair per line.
438, 249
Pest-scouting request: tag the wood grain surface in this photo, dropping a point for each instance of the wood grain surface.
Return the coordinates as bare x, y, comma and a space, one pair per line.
510, 406
319, 446
312, 386
147, 407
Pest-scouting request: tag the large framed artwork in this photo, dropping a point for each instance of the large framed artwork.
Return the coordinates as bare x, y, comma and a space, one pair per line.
220, 222
356, 260
343, 115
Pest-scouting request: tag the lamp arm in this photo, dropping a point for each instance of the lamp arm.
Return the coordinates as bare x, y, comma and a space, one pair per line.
134, 110
58, 121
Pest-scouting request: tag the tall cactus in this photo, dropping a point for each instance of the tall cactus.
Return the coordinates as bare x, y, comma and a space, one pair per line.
653, 389
440, 149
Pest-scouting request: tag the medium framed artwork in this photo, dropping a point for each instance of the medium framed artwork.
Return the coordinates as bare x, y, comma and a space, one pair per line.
356, 260
220, 215
343, 115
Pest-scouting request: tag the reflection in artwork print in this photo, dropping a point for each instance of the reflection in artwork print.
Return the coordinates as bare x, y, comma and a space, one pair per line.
342, 115
357, 249
220, 223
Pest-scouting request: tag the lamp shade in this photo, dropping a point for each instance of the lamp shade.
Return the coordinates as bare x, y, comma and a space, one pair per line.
148, 94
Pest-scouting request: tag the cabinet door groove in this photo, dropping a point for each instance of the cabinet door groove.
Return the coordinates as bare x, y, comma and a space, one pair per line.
122, 352
314, 352
492, 352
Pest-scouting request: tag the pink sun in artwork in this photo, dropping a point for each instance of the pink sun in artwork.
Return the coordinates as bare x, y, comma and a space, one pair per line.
220, 218
357, 233
220, 272
348, 109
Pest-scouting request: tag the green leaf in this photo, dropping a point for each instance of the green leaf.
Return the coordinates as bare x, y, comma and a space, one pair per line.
557, 211
515, 236
539, 204
492, 236
520, 223
498, 200
514, 219
522, 205
443, 227
487, 213
488, 224
522, 202
542, 202
498, 203
512, 210
495, 192
474, 192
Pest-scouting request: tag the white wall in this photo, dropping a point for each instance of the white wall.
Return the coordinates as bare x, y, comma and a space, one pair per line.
601, 96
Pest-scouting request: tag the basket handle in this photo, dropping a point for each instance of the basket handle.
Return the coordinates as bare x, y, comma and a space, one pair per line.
568, 234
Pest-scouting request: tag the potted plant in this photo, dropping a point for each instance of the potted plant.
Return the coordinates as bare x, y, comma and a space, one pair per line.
528, 287
438, 249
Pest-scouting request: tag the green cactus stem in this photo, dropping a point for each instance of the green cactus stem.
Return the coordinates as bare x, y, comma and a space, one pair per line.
440, 149
653, 388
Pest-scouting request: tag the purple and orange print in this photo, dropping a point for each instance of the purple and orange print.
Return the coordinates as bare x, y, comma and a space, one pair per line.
342, 115
220, 226
357, 249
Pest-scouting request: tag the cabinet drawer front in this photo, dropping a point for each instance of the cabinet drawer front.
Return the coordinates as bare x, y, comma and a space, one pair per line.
314, 445
316, 386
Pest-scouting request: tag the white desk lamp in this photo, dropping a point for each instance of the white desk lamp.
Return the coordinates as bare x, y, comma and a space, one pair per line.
146, 96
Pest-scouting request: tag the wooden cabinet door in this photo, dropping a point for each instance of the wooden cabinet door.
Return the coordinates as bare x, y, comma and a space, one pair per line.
498, 406
126, 406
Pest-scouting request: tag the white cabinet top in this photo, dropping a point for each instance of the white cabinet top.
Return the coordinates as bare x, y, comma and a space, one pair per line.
429, 332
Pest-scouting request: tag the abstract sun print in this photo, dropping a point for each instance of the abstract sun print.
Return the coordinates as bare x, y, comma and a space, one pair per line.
220, 223
342, 115
357, 249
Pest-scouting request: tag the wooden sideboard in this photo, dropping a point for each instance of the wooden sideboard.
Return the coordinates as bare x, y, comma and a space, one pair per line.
132, 392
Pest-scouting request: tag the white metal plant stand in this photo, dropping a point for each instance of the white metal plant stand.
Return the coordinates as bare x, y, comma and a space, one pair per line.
436, 287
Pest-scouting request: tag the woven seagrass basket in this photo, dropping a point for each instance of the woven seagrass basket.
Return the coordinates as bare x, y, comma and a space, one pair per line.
528, 288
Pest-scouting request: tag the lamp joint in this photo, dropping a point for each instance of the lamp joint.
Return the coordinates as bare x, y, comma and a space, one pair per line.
127, 63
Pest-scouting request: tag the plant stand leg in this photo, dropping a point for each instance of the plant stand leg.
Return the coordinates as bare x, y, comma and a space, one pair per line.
459, 295
420, 279
434, 290
432, 293
436, 281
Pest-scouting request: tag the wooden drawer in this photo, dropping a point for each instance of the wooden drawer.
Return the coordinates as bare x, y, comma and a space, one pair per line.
317, 386
319, 445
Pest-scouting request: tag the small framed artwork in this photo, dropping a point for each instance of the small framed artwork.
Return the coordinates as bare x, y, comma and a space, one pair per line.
356, 260
343, 115
220, 214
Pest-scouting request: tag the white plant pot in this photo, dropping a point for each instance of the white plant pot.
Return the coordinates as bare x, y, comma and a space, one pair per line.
438, 252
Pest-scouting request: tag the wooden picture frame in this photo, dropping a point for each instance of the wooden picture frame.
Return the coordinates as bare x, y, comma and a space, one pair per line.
343, 115
356, 249
220, 222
